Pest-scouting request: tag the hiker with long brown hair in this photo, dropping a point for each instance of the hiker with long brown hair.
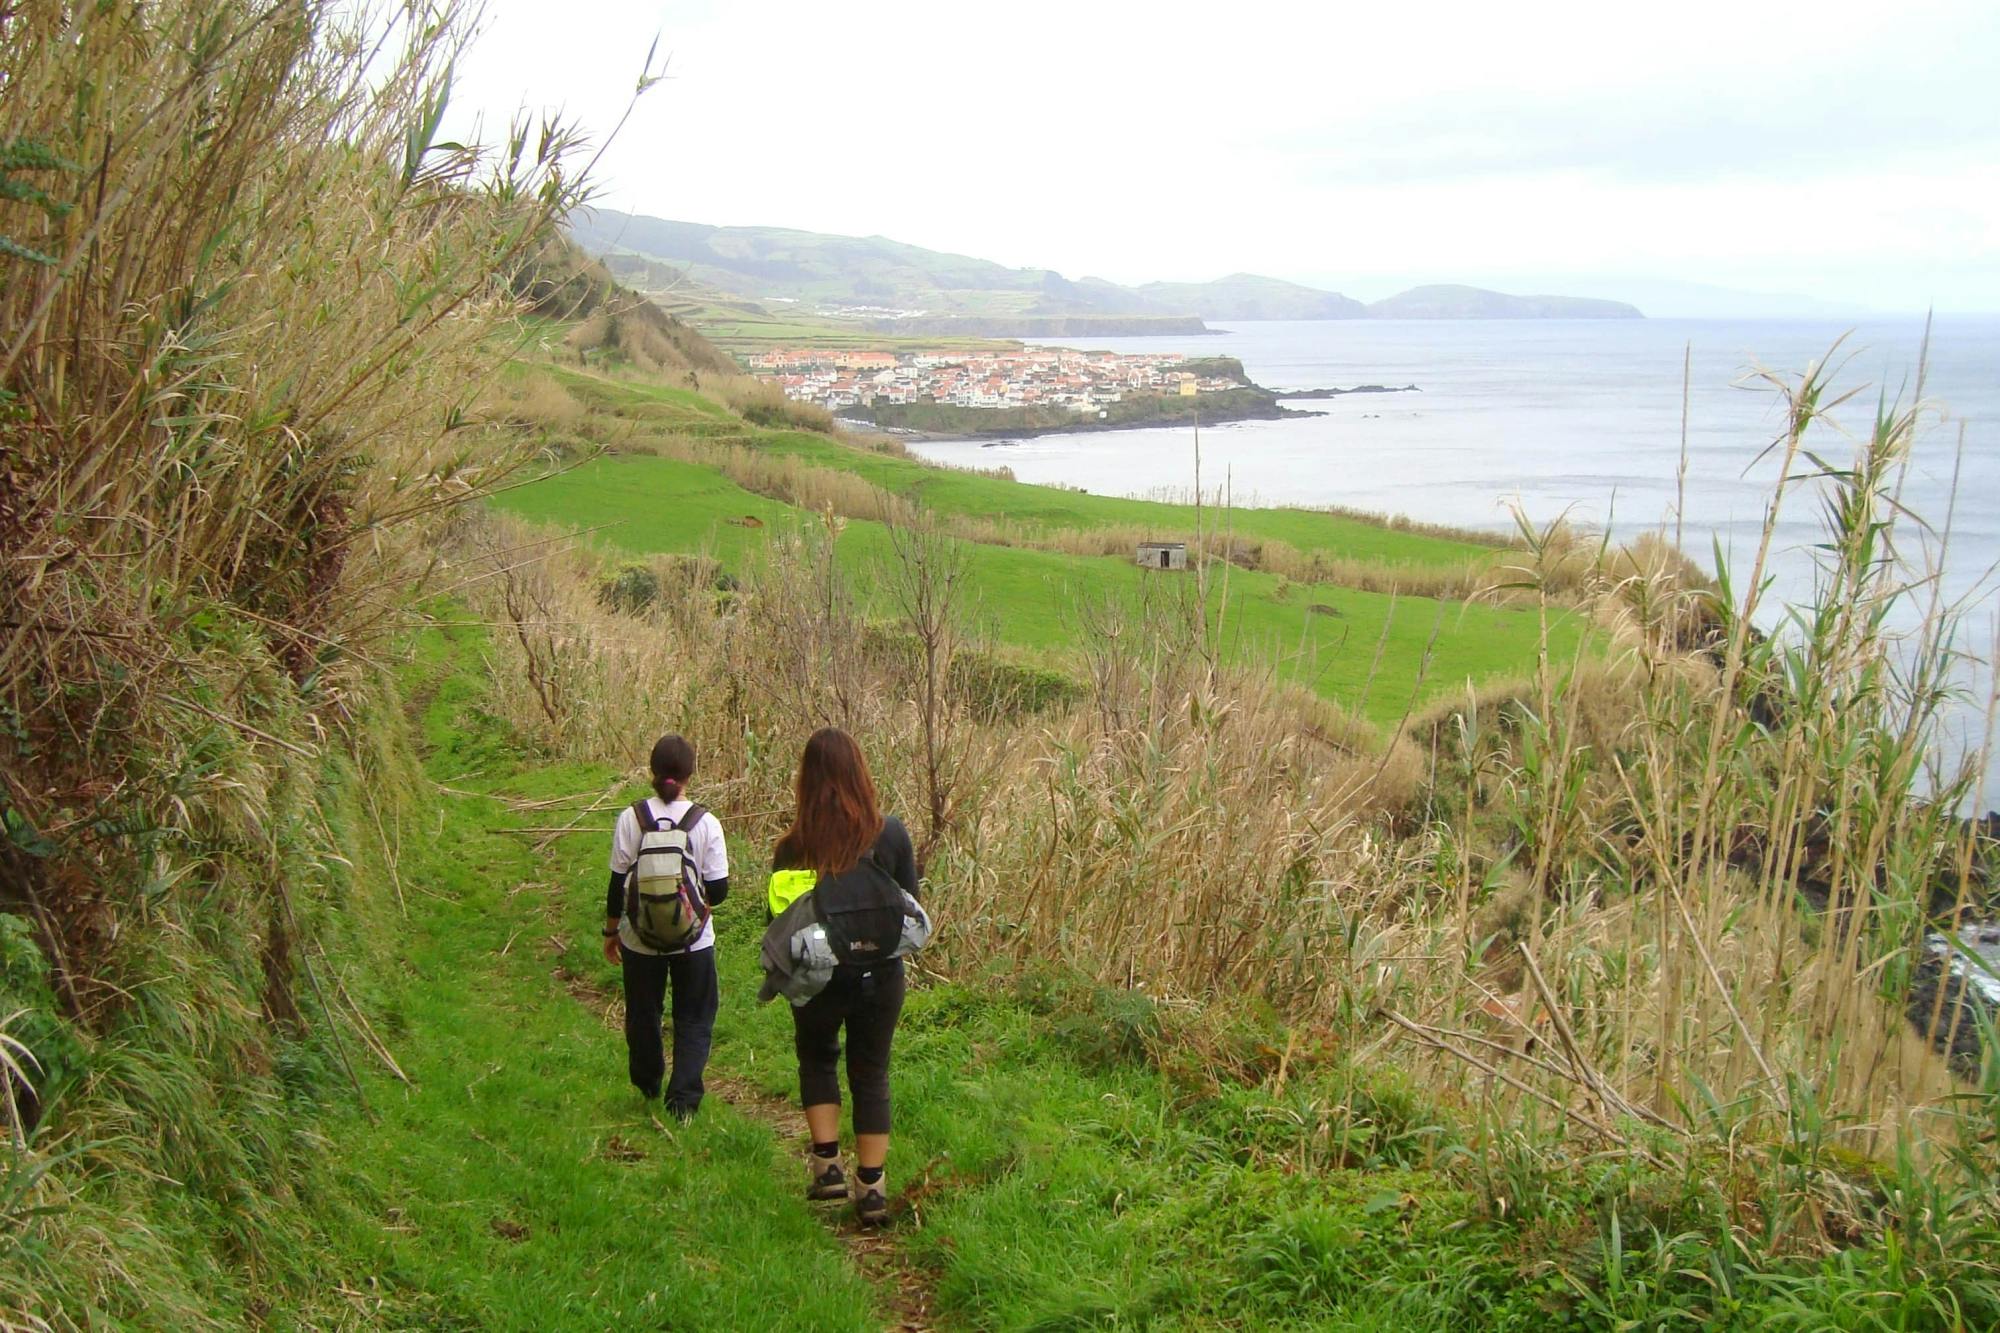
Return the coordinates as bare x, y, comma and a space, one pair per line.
844, 899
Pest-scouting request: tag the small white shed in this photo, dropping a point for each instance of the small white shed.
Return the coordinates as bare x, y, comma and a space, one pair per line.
1162, 555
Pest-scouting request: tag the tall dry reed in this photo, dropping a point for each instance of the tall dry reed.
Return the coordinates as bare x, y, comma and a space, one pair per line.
238, 352
248, 299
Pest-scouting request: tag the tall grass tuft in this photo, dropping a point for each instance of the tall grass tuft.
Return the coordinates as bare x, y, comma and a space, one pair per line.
248, 299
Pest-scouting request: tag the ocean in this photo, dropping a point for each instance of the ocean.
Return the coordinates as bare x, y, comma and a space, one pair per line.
1579, 418
1583, 418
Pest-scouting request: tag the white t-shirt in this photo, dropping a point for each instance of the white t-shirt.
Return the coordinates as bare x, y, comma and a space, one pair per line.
711, 860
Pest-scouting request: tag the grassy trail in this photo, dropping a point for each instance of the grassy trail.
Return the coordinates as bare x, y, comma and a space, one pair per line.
903, 1289
1046, 1175
520, 1182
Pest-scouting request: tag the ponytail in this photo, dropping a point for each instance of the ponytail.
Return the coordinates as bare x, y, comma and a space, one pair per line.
672, 765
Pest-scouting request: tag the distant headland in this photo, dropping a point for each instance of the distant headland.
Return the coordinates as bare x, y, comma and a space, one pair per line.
876, 285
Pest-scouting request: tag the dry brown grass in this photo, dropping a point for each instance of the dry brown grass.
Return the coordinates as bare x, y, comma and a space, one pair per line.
764, 404
535, 398
782, 477
1392, 522
610, 324
1449, 582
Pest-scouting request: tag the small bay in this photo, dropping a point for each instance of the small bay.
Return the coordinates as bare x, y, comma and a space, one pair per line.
1580, 418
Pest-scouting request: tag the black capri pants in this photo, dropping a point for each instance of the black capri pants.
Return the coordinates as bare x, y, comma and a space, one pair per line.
868, 1004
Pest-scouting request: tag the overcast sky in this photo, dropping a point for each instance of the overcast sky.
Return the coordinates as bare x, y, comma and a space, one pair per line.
1845, 151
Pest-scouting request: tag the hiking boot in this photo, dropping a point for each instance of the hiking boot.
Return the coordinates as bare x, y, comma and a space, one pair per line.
871, 1202
825, 1179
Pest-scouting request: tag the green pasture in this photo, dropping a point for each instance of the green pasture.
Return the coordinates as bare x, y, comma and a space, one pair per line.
735, 329
950, 491
657, 405
1324, 636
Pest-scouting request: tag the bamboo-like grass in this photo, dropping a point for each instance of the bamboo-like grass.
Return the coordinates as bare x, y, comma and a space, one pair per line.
239, 347
248, 301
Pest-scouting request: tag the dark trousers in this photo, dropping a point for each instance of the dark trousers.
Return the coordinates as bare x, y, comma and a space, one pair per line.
868, 1006
691, 977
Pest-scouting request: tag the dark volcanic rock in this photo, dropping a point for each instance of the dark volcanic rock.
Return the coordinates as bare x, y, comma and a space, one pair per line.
1336, 393
1963, 1014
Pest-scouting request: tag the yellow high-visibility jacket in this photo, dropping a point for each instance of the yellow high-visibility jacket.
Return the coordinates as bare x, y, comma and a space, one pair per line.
787, 887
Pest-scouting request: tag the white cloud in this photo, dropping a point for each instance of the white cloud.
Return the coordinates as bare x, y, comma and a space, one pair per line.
1843, 149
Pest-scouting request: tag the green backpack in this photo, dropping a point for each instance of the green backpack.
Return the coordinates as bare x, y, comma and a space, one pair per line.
663, 896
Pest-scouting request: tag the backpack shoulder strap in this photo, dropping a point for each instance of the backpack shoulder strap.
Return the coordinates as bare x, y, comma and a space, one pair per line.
642, 810
694, 815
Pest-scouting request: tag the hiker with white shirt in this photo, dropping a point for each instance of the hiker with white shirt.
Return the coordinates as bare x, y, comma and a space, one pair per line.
669, 867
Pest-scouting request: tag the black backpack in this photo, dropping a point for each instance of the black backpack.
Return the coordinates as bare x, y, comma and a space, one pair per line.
862, 911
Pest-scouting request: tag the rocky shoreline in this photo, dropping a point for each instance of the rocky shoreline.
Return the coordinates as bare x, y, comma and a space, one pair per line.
999, 438
928, 421
1964, 1009
1258, 404
1339, 393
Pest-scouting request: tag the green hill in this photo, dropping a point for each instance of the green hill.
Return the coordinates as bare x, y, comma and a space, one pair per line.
766, 263
895, 287
1249, 296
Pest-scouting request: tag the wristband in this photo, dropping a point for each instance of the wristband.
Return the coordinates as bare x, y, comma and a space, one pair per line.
610, 931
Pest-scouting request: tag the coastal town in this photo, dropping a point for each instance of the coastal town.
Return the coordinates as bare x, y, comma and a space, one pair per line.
1083, 382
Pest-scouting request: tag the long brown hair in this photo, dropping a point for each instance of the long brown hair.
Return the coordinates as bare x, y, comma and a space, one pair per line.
838, 817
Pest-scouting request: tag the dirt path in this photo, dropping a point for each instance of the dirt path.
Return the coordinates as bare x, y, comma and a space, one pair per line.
877, 1252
